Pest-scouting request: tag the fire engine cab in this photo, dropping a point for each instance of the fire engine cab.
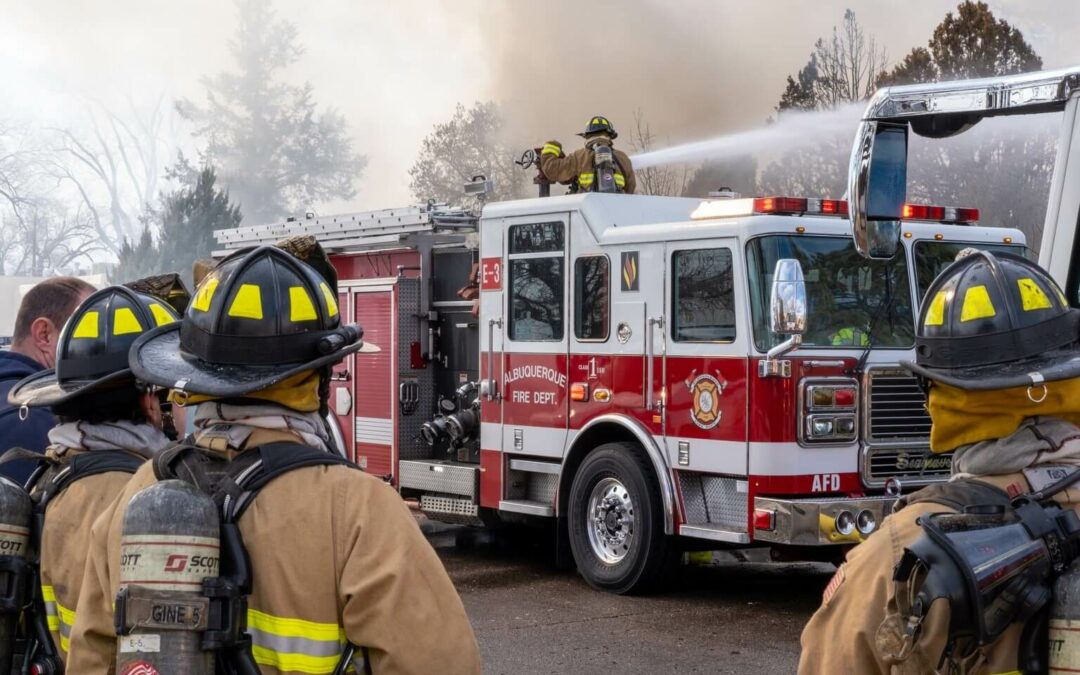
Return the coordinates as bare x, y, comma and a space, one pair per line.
652, 373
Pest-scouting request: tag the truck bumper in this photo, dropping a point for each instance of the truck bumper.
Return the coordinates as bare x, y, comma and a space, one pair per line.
818, 522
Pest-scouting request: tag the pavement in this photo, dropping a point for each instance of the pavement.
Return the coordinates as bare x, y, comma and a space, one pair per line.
733, 614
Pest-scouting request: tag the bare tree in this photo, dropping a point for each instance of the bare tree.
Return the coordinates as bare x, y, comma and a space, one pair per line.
842, 69
115, 166
39, 233
670, 179
469, 144
45, 238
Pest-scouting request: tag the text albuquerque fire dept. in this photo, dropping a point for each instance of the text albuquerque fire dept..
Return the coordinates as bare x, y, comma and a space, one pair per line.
535, 372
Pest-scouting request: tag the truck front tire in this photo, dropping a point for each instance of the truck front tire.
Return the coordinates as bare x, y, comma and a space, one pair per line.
616, 521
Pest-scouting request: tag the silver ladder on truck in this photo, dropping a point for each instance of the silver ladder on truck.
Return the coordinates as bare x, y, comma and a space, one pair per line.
420, 227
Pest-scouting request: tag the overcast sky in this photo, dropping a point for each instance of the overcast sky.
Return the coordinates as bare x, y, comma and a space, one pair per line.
394, 68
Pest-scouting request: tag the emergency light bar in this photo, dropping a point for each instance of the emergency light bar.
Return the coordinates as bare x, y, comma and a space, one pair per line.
940, 214
804, 206
784, 206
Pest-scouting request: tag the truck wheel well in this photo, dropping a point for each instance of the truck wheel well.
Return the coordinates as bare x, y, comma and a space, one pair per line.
583, 445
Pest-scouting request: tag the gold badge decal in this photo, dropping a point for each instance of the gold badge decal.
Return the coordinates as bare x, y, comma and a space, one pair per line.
705, 391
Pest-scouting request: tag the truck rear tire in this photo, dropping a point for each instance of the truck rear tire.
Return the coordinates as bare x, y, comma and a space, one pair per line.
617, 522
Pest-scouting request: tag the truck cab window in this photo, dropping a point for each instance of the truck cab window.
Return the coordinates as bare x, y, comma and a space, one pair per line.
536, 273
702, 296
591, 298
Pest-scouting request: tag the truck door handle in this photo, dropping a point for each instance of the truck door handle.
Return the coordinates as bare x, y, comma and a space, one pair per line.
489, 387
650, 349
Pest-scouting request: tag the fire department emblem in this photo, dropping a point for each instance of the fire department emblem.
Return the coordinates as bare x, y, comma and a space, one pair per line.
705, 391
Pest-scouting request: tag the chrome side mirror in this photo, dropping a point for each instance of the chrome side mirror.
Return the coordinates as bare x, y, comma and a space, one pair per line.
877, 187
787, 316
787, 302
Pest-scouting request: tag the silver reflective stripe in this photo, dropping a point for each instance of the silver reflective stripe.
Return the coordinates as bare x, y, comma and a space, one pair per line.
294, 645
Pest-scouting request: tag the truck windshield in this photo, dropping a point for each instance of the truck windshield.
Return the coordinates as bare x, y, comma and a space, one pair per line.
932, 257
851, 301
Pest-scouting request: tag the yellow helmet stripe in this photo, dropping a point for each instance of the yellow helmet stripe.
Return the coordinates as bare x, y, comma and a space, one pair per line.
977, 304
300, 305
125, 322
87, 326
331, 301
247, 304
161, 315
935, 313
1032, 296
204, 295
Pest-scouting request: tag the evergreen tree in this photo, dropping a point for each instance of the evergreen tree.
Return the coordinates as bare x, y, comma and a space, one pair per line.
189, 218
276, 151
136, 261
971, 43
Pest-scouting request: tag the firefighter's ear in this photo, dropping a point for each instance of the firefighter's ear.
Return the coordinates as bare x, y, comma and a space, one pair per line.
150, 406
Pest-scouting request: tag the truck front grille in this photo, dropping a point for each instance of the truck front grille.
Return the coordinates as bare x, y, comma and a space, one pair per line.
897, 407
898, 431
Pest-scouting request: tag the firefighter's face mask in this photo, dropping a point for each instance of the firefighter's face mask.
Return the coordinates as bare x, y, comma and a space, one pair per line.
993, 566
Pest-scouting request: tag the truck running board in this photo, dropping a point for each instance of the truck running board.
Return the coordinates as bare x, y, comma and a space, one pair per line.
526, 506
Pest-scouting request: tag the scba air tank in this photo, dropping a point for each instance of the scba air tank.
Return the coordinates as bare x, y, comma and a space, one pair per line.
15, 515
170, 544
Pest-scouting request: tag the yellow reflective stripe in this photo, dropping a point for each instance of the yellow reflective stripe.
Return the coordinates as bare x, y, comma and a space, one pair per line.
125, 322
67, 622
161, 315
551, 149
585, 179
247, 303
67, 616
977, 304
620, 180
295, 645
298, 663
331, 301
48, 595
277, 625
300, 306
1032, 296
935, 313
87, 326
204, 295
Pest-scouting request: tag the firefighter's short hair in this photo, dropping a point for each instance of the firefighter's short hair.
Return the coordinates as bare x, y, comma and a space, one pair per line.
53, 299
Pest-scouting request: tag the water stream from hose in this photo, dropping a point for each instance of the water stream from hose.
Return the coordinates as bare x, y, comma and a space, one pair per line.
793, 131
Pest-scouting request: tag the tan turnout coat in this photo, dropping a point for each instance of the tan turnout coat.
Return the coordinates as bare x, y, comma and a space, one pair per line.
65, 541
566, 169
847, 635
336, 555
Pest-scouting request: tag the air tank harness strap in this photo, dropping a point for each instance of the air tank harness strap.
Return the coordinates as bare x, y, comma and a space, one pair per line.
233, 485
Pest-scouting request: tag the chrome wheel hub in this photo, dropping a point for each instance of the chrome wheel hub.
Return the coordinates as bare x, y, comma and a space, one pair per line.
611, 520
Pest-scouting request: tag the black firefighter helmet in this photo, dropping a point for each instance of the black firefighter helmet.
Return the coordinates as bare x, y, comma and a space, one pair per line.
995, 321
599, 125
92, 353
259, 317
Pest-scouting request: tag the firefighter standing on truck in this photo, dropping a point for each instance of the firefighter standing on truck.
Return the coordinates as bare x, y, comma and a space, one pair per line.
337, 559
110, 424
997, 347
598, 167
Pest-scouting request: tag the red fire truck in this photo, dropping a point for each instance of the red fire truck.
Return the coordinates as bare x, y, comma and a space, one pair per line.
652, 373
